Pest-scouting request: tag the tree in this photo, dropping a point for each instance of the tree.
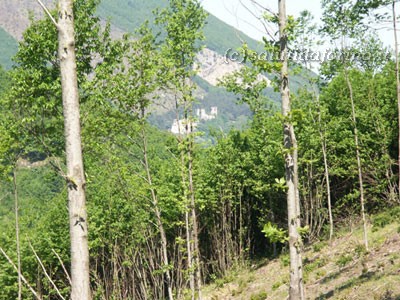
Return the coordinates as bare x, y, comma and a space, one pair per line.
341, 20
80, 281
306, 37
35, 100
75, 177
296, 290
183, 21
396, 55
137, 64
251, 88
364, 8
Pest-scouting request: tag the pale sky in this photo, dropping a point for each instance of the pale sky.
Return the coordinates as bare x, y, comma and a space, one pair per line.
235, 14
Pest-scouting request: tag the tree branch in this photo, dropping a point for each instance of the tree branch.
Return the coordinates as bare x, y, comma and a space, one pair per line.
22, 276
45, 272
47, 12
63, 266
260, 19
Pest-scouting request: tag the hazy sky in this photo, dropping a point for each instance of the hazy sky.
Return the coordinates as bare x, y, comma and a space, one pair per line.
235, 14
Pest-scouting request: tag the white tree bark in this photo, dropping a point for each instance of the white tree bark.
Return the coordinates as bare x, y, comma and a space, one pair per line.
358, 157
396, 48
157, 211
296, 290
80, 289
17, 232
326, 168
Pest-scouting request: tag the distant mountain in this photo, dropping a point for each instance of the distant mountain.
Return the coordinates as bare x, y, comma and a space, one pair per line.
126, 16
8, 47
129, 14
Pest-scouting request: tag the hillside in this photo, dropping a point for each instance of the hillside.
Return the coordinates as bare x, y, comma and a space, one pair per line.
8, 47
126, 16
340, 269
129, 14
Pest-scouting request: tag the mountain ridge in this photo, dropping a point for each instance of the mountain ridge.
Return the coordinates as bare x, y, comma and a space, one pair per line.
125, 16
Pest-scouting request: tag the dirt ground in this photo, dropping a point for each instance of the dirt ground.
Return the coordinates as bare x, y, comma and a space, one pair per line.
341, 269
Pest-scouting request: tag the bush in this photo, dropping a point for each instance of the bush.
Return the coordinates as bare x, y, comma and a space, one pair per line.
276, 285
343, 260
385, 218
360, 250
381, 221
259, 296
311, 266
285, 259
318, 246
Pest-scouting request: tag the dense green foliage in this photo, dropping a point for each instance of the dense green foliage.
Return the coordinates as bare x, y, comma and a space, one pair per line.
4, 80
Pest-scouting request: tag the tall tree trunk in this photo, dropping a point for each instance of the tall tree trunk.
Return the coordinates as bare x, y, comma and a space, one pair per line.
359, 166
396, 54
17, 233
80, 289
296, 290
327, 177
328, 185
195, 230
182, 140
189, 243
241, 233
158, 214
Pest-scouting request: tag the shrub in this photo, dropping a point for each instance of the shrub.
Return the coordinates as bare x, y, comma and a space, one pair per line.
318, 246
344, 260
259, 296
360, 250
285, 260
276, 285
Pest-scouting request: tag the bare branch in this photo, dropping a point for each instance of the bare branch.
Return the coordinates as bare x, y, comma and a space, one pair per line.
47, 12
63, 266
17, 233
256, 3
260, 19
22, 276
45, 272
235, 14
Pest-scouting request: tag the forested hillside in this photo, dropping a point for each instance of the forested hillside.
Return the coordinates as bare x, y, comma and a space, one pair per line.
126, 16
218, 35
98, 203
8, 47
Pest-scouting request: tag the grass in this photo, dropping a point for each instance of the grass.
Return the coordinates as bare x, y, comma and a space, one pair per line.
343, 260
259, 296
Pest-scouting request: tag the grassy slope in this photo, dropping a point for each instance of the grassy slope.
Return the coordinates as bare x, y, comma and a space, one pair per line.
341, 269
8, 47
